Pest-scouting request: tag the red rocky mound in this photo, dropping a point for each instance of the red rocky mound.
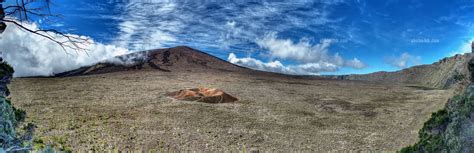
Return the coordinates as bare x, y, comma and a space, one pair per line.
206, 95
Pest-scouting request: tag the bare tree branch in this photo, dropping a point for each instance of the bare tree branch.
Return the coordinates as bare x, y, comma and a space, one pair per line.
73, 42
23, 13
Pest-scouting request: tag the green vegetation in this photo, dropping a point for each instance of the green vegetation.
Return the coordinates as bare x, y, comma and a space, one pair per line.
38, 143
56, 143
430, 140
437, 119
458, 76
6, 69
20, 114
441, 133
59, 142
11, 117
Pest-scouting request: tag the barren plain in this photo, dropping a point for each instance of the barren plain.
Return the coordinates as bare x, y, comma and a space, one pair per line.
130, 110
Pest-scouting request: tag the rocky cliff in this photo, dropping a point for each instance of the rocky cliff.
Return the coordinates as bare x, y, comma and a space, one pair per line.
447, 73
452, 128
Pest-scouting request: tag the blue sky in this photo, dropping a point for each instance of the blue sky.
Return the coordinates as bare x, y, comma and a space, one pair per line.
297, 37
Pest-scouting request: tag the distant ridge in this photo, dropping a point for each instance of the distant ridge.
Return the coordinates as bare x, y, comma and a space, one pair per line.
446, 73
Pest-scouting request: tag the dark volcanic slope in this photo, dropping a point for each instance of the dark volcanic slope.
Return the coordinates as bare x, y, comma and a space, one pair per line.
179, 58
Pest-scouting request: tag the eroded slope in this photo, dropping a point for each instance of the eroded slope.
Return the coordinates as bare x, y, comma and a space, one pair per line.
447, 73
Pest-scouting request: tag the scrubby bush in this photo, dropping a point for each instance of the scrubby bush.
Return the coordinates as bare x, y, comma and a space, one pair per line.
7, 67
430, 135
459, 76
10, 116
437, 120
20, 114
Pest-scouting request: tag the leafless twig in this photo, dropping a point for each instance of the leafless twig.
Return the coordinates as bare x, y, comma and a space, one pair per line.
23, 11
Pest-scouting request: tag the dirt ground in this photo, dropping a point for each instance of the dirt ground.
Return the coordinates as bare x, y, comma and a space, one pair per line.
130, 110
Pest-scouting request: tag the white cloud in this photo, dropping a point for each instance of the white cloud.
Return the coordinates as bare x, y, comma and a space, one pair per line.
310, 59
216, 25
277, 66
33, 55
404, 60
464, 48
312, 68
274, 66
355, 63
302, 51
146, 26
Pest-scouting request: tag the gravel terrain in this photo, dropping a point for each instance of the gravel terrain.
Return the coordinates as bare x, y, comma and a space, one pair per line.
130, 110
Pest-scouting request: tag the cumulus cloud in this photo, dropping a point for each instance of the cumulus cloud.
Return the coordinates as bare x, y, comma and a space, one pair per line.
355, 63
273, 66
302, 51
33, 55
310, 59
404, 60
277, 66
312, 68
